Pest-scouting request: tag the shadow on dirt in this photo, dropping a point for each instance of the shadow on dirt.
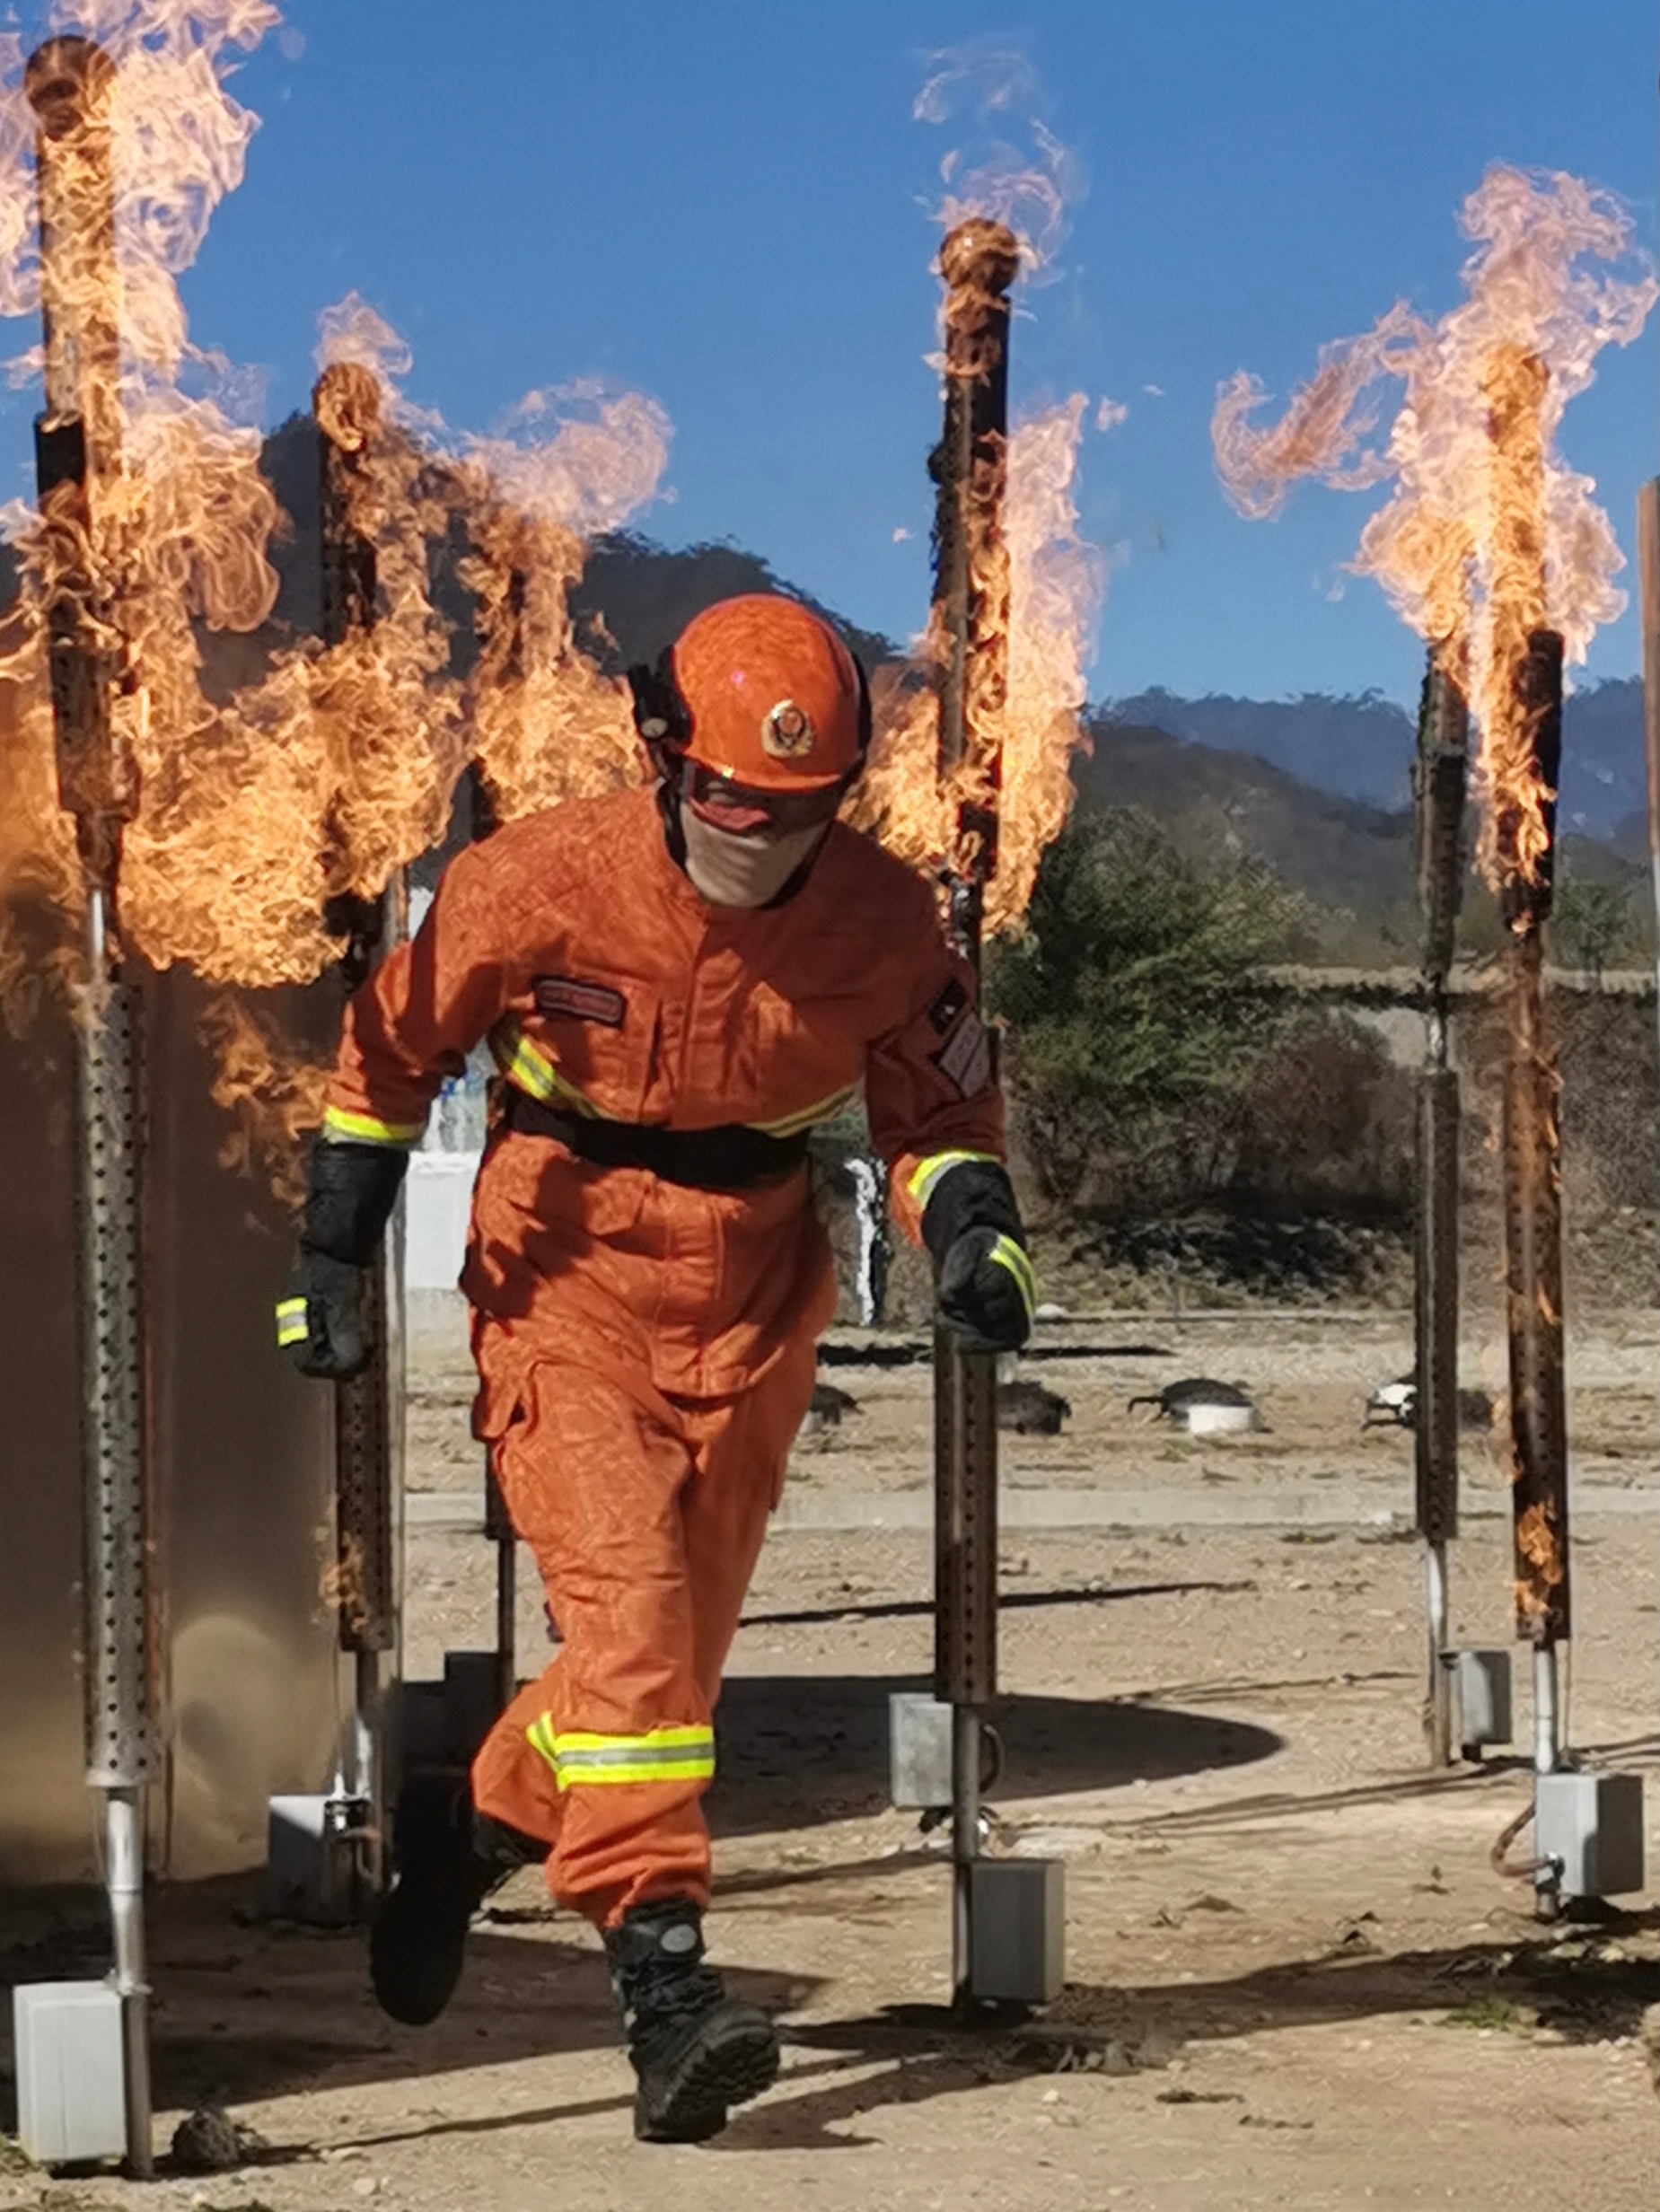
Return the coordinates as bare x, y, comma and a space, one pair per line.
1578, 1990
794, 1750
218, 1972
246, 2009
918, 1351
1008, 1601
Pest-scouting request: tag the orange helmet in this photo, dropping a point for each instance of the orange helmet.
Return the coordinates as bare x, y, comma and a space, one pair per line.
761, 693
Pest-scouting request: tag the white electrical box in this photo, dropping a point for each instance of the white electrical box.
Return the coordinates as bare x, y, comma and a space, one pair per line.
71, 2082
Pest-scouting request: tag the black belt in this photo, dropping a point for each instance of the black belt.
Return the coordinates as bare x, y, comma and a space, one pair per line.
729, 1158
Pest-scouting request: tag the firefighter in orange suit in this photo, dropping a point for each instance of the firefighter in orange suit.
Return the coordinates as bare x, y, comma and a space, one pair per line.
677, 984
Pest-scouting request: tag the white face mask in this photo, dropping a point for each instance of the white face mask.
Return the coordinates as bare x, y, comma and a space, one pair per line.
730, 871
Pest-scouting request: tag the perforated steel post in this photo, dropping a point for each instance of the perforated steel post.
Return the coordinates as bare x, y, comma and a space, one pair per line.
69, 83
369, 1408
1443, 765
1534, 1221
979, 262
1522, 751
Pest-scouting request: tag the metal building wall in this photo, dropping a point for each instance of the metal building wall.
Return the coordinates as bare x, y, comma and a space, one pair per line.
251, 1683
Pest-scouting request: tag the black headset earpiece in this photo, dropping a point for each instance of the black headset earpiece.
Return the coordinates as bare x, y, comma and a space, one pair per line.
865, 707
660, 714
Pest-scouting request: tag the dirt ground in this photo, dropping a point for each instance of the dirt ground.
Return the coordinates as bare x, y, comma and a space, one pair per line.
1294, 1978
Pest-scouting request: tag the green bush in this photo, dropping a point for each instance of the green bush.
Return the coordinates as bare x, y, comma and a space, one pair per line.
1136, 1022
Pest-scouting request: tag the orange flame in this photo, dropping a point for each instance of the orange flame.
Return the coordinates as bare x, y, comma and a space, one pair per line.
1539, 1548
547, 725
1056, 583
324, 770
1034, 585
273, 1094
1050, 601
1488, 533
1030, 186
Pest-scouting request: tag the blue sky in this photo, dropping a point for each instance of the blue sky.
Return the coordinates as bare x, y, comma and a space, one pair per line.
722, 203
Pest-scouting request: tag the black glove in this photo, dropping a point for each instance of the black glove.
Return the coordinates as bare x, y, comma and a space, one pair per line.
973, 1229
350, 1193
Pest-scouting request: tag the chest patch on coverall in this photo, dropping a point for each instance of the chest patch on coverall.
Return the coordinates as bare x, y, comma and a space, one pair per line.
582, 1002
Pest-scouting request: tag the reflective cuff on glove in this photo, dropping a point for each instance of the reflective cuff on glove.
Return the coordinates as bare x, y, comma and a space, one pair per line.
340, 1127
970, 1191
1006, 1253
322, 1325
928, 1173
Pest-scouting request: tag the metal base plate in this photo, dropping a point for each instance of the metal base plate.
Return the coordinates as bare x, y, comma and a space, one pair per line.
71, 2089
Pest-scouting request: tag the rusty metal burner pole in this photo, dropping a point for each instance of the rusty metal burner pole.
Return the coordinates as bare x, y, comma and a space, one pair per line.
70, 82
369, 1408
1526, 746
979, 262
1443, 764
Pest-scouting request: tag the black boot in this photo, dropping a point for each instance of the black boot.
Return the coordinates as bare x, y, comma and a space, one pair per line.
448, 1860
695, 2050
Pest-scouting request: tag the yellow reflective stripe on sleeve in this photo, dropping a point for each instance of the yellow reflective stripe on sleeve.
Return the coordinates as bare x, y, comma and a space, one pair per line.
677, 1754
530, 1070
291, 1326
364, 1129
791, 1124
1006, 1253
928, 1172
538, 1735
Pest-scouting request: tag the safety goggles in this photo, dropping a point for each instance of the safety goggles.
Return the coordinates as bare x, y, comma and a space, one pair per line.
742, 810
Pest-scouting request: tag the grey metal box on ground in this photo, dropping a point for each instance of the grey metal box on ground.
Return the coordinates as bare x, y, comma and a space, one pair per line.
1017, 1931
1591, 1825
71, 2086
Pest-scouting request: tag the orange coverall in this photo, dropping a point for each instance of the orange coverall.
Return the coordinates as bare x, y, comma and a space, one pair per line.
645, 1351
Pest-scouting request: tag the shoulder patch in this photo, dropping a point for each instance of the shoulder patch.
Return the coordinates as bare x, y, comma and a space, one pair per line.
578, 1001
947, 1006
965, 1059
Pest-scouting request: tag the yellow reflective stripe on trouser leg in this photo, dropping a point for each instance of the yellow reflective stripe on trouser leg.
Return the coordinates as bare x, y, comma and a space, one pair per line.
364, 1129
927, 1172
677, 1754
1006, 1253
292, 1325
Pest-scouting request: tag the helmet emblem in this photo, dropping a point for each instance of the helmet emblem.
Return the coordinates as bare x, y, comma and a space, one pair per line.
787, 733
